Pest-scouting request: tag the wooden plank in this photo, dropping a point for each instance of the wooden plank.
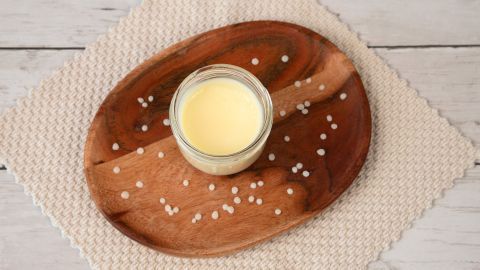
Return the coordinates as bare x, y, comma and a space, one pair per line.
21, 71
54, 23
446, 237
427, 22
58, 23
27, 238
447, 77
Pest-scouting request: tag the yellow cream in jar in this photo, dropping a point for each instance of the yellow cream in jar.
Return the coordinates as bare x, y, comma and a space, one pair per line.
220, 116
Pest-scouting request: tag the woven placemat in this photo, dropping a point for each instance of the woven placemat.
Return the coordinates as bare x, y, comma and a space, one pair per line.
415, 154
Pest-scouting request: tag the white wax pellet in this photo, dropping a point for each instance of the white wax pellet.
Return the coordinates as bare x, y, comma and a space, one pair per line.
215, 214
286, 138
198, 216
306, 103
170, 213
289, 191
234, 190
253, 185
116, 170
285, 58
176, 209
321, 152
211, 187
166, 122
334, 126
194, 221
115, 147
271, 157
140, 150
125, 195
161, 154
300, 106
140, 100
260, 183
185, 183
299, 165
230, 210
237, 200
168, 208
225, 206
294, 169
251, 199
305, 174
255, 61
308, 80
259, 201
144, 128
150, 98
343, 96
282, 113
278, 211
305, 111
321, 87
139, 184
297, 84
162, 200
323, 136
144, 105
329, 118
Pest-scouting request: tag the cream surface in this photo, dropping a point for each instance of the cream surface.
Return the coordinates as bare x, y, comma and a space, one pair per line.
220, 116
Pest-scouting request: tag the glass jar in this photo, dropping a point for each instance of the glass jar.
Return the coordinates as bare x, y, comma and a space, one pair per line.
222, 164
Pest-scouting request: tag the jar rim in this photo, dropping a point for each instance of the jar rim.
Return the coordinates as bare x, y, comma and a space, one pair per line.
233, 72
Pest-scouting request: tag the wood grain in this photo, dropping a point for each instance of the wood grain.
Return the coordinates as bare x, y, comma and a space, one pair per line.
31, 66
435, 242
416, 23
63, 23
447, 78
447, 236
59, 23
323, 72
27, 238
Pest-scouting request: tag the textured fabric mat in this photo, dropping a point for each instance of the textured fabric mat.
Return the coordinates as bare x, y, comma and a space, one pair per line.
415, 154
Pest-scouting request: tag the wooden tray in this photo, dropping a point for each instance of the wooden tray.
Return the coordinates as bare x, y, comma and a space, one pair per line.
132, 160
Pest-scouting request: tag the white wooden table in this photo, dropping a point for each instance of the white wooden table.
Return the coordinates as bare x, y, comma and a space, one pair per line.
434, 44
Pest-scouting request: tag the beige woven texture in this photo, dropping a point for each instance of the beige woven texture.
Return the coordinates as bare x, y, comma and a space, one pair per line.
415, 154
